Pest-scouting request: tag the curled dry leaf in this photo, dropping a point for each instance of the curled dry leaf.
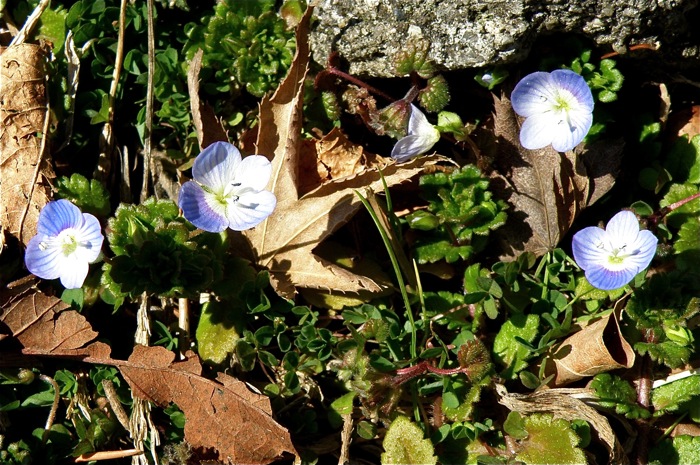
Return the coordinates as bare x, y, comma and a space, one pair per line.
597, 348
284, 243
26, 174
224, 415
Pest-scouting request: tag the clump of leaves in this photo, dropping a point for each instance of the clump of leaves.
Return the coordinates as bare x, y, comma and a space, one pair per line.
616, 393
604, 80
461, 212
89, 196
246, 45
156, 252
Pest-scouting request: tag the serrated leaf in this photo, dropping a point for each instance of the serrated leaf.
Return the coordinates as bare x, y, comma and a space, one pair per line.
549, 440
669, 397
667, 352
687, 246
614, 392
683, 449
404, 443
507, 351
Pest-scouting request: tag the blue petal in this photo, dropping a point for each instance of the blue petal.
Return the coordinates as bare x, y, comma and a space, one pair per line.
45, 261
73, 273
607, 280
216, 166
254, 172
586, 250
192, 200
622, 228
251, 209
89, 234
536, 131
57, 216
576, 84
534, 94
645, 248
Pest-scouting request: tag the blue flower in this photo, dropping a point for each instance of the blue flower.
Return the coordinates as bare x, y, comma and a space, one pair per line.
612, 257
67, 241
421, 137
558, 109
227, 191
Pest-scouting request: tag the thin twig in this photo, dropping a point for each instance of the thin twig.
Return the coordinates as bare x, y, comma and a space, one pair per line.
115, 403
30, 23
183, 322
54, 406
346, 439
104, 161
108, 455
147, 155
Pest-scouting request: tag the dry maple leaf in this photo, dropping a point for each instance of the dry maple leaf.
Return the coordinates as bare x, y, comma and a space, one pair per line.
284, 243
224, 415
25, 173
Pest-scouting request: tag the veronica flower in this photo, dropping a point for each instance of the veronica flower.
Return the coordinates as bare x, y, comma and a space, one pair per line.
612, 257
421, 137
67, 241
228, 191
558, 109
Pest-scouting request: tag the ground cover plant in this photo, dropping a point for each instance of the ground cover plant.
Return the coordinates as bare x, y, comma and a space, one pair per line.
217, 251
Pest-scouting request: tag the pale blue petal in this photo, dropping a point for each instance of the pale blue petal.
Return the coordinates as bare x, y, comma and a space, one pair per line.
409, 147
57, 216
622, 228
253, 172
645, 248
73, 273
576, 84
571, 129
587, 250
418, 123
534, 94
251, 209
195, 208
46, 263
607, 280
216, 166
536, 131
89, 234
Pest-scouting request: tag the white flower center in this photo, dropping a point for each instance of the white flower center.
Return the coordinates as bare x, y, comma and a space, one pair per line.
617, 255
562, 104
67, 241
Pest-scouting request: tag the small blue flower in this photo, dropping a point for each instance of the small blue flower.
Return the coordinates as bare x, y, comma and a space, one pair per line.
228, 191
67, 241
612, 257
421, 137
558, 109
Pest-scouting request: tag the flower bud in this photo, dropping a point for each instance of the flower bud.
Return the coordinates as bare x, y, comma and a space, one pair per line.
415, 59
436, 95
394, 118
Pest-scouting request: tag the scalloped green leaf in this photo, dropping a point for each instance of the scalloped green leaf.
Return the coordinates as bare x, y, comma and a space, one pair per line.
549, 440
616, 393
404, 443
507, 351
682, 449
670, 397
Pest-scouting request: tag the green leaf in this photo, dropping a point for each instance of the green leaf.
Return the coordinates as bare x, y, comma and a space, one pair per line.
515, 426
549, 440
672, 396
616, 393
510, 353
343, 405
680, 450
404, 443
219, 328
89, 196
667, 352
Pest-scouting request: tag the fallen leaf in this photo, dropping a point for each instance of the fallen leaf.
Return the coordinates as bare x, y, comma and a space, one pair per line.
208, 128
546, 190
42, 323
284, 243
26, 174
224, 415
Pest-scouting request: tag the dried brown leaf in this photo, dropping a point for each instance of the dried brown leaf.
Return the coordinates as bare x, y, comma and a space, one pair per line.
208, 128
546, 190
26, 175
224, 415
42, 323
284, 243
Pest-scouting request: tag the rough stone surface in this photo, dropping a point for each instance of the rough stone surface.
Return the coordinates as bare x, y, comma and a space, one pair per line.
477, 33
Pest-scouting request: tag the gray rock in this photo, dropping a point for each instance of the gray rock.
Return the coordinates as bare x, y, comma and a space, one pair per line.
478, 33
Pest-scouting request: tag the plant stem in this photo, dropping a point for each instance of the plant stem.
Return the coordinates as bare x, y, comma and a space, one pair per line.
342, 74
658, 216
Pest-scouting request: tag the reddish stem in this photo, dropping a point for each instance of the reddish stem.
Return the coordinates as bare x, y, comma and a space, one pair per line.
656, 217
358, 82
408, 373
